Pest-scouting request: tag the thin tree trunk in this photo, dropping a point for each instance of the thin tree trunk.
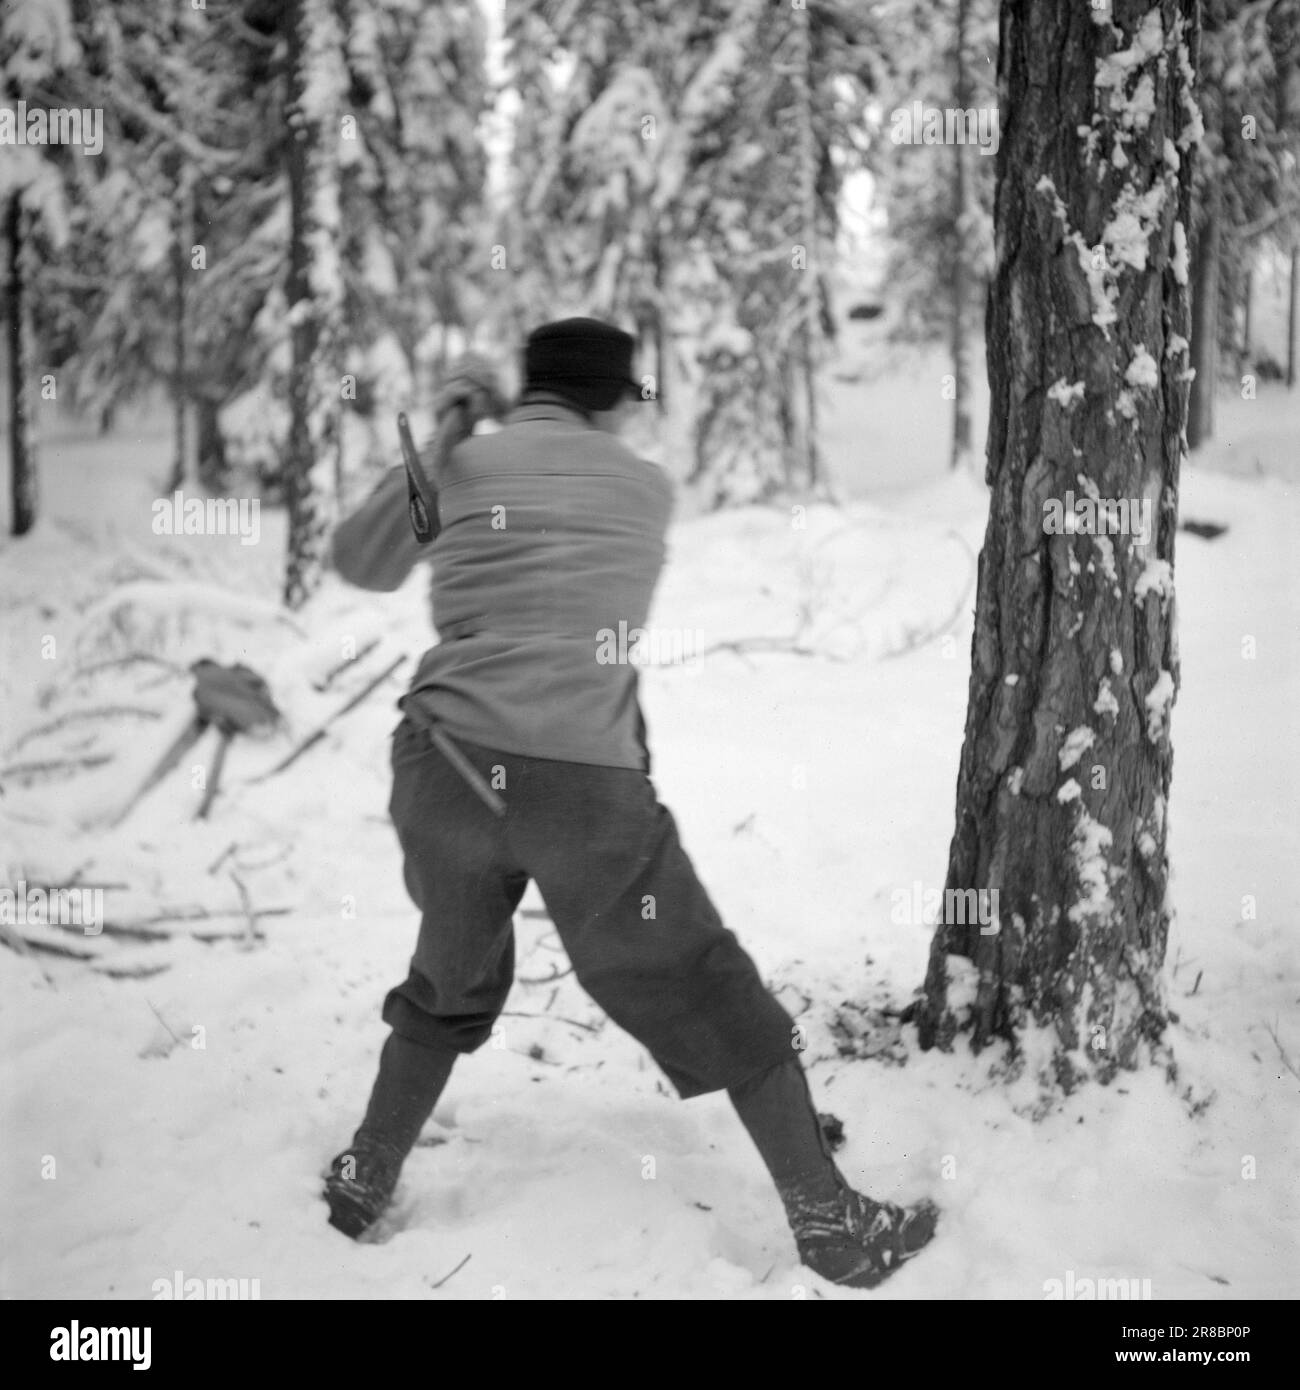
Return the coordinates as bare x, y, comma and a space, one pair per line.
1291, 317
210, 446
962, 427
1065, 768
1205, 320
1247, 327
805, 410
179, 382
23, 484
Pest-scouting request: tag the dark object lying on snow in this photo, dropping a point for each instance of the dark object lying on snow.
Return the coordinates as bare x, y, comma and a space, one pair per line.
234, 698
832, 1128
1207, 530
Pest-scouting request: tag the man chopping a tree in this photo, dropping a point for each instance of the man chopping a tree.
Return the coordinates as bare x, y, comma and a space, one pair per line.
520, 756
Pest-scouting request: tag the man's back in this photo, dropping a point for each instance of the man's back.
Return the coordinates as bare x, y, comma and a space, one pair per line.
552, 531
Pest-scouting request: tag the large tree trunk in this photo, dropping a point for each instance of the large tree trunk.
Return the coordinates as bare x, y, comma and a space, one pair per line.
23, 487
1205, 319
1065, 769
313, 289
962, 428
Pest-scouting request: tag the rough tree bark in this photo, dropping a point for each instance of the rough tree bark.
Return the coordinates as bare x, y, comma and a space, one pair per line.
313, 286
1066, 765
23, 487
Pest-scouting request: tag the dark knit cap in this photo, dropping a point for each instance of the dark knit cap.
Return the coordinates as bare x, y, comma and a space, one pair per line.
588, 361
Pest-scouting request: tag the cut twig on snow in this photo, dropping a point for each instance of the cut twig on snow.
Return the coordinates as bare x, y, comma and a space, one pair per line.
95, 667
128, 972
1271, 1030
22, 771
346, 664
155, 1049
254, 933
544, 979
151, 928
73, 716
223, 856
457, 1270
312, 739
163, 1021
14, 940
742, 646
57, 948
555, 1018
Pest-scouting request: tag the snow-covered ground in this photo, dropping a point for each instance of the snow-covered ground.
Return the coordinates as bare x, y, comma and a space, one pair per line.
811, 787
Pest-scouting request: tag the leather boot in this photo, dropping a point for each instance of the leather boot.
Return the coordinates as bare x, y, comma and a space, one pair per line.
363, 1177
841, 1234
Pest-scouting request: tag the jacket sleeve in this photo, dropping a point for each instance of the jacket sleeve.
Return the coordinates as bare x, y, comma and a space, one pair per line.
375, 548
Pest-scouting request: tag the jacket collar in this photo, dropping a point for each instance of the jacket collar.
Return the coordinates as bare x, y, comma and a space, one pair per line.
545, 405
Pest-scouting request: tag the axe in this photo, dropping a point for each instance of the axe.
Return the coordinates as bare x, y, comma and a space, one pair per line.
421, 504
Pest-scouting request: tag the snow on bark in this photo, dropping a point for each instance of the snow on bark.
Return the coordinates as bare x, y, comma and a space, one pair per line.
1142, 370
1065, 393
1158, 702
1180, 262
1077, 743
1105, 703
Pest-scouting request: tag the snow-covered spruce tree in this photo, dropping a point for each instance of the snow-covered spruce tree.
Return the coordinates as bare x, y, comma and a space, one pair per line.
414, 170
938, 200
760, 216
193, 133
585, 219
1247, 175
314, 289
674, 171
1065, 770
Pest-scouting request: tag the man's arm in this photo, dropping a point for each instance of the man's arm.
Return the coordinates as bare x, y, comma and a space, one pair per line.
374, 548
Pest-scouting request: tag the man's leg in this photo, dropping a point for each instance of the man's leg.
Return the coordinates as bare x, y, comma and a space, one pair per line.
362, 1178
648, 945
841, 1234
644, 939
462, 970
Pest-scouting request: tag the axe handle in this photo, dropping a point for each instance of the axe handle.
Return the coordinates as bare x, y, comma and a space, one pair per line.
189, 735
214, 776
422, 501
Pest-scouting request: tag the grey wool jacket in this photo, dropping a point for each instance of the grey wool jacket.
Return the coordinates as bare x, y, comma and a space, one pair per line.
553, 535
